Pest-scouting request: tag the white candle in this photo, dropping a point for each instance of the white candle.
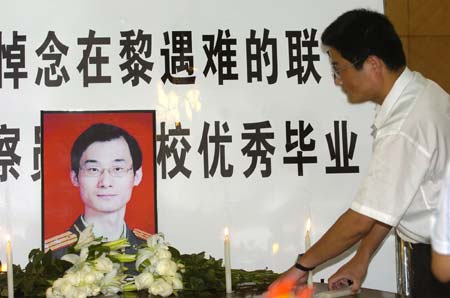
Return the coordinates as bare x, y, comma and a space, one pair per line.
9, 266
307, 246
227, 261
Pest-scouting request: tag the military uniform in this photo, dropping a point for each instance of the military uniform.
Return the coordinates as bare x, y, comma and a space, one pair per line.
59, 243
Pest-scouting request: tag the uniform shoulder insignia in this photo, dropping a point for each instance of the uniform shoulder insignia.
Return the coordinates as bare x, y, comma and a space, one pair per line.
141, 234
59, 241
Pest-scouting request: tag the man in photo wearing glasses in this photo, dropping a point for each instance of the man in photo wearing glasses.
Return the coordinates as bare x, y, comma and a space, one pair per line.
106, 163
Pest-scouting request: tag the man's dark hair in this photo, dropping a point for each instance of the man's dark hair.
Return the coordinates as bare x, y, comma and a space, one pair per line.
359, 33
101, 132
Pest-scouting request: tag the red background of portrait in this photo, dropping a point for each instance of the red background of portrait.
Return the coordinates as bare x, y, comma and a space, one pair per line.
61, 200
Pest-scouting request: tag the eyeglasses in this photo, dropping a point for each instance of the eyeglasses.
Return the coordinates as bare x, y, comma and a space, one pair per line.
338, 71
114, 171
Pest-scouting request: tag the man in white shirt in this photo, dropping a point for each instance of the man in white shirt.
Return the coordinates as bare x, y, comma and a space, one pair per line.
410, 150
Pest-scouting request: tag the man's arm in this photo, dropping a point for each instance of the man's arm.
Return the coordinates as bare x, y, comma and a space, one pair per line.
346, 231
440, 265
356, 269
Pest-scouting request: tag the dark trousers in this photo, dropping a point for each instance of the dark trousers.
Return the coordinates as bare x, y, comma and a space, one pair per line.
424, 284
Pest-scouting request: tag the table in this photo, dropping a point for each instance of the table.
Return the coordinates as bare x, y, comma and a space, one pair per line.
365, 293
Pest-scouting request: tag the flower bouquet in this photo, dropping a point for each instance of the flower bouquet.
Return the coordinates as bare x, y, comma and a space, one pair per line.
97, 267
93, 267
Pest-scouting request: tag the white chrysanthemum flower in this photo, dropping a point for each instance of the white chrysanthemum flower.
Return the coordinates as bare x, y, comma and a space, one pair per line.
143, 280
163, 254
166, 267
160, 287
103, 264
175, 281
66, 288
74, 278
90, 278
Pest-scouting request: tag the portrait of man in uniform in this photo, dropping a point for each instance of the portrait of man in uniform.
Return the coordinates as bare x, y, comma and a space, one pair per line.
106, 166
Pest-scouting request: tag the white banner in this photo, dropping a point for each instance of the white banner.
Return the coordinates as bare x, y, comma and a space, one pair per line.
264, 138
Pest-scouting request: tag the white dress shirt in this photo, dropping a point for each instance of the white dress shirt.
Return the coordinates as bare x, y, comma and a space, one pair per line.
410, 152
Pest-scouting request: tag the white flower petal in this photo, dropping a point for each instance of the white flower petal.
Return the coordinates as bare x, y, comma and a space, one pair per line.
72, 258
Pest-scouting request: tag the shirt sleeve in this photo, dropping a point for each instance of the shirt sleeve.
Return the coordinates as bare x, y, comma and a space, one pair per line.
440, 234
395, 173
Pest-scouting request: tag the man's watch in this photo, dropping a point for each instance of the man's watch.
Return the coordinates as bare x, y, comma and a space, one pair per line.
300, 266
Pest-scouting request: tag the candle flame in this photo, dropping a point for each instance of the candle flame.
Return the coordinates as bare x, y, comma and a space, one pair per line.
4, 268
282, 289
275, 248
226, 232
177, 124
308, 225
288, 290
305, 293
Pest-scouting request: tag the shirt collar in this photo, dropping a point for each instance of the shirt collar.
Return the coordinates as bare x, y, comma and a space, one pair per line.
95, 232
392, 97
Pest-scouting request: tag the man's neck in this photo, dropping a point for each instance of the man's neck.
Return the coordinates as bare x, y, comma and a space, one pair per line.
109, 225
388, 81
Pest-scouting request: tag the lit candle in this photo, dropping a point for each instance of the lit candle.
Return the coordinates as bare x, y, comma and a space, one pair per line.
307, 246
227, 261
9, 266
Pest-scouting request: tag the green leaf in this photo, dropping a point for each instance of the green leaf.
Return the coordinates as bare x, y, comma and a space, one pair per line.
35, 278
208, 274
175, 253
197, 284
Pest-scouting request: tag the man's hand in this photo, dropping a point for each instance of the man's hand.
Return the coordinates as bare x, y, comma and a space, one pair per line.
440, 266
288, 282
351, 273
356, 269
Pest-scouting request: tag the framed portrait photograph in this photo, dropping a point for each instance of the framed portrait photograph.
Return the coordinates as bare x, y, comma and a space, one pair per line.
99, 171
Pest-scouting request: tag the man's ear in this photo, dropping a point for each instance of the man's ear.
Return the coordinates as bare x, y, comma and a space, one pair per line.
74, 178
138, 177
375, 63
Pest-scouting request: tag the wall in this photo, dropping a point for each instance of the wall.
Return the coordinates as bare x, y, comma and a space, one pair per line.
424, 27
